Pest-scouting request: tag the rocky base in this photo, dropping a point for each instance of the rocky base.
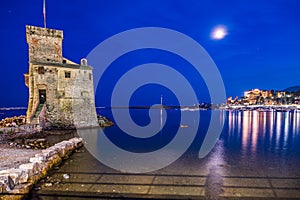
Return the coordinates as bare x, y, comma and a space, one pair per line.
104, 121
15, 127
13, 121
38, 143
24, 131
15, 183
31, 136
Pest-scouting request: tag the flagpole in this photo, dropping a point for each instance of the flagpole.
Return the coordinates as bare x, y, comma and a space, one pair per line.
44, 12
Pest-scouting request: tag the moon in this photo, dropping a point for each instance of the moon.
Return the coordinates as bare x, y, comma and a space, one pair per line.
218, 33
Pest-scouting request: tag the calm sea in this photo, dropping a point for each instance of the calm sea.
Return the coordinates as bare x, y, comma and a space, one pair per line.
11, 112
251, 142
266, 143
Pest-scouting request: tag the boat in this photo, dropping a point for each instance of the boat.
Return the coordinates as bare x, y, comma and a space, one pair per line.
183, 126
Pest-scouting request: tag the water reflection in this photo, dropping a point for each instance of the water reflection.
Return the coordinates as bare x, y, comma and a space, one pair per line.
274, 130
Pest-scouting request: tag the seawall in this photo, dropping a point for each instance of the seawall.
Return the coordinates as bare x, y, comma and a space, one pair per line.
15, 183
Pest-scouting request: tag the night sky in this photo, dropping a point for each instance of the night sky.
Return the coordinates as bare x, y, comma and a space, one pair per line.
260, 50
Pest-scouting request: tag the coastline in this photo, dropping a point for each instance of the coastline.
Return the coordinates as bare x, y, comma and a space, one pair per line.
284, 107
17, 181
28, 152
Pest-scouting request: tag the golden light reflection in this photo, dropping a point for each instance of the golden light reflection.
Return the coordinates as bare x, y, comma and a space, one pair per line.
294, 122
272, 128
286, 127
239, 121
262, 121
297, 122
255, 127
231, 127
272, 118
278, 126
245, 129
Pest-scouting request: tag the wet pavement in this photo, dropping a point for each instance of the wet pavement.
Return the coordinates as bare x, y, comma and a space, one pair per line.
188, 178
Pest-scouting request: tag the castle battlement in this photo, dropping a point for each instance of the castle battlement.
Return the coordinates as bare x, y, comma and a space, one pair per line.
45, 45
34, 30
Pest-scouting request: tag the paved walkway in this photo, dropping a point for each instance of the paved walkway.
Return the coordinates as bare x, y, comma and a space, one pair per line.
11, 157
206, 179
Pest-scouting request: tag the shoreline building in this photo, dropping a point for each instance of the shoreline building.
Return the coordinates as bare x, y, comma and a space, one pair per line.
61, 92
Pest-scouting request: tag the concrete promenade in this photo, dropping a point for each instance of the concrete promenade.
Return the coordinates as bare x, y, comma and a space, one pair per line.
209, 178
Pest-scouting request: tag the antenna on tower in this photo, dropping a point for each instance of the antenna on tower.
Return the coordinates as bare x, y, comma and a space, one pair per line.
44, 12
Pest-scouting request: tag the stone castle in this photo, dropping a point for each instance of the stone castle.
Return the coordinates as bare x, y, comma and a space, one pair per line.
61, 92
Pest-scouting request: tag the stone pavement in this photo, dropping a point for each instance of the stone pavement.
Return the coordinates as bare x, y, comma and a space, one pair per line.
206, 179
11, 156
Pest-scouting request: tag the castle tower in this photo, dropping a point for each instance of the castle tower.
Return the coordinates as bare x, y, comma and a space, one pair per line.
45, 45
61, 92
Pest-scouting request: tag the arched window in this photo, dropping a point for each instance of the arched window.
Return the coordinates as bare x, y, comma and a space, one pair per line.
41, 70
84, 62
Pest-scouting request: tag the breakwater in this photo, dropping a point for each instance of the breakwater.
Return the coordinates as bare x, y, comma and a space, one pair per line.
16, 182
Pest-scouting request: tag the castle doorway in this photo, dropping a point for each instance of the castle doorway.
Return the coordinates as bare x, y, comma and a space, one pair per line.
42, 96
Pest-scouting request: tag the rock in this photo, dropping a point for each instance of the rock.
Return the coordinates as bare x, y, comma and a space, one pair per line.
51, 151
13, 121
40, 157
10, 183
37, 188
18, 141
48, 184
79, 151
14, 174
30, 168
35, 159
66, 176
7, 183
64, 147
57, 182
37, 143
1, 187
20, 190
76, 141
41, 140
104, 122
23, 178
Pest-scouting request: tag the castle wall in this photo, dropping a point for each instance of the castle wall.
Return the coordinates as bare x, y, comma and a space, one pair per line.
83, 94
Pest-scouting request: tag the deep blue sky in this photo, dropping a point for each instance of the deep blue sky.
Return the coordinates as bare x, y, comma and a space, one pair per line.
261, 50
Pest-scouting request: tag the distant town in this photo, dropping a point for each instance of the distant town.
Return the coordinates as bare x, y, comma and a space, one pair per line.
266, 97
257, 99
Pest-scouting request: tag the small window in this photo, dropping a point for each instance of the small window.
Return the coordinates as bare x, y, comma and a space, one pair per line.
67, 74
90, 76
64, 61
41, 70
84, 62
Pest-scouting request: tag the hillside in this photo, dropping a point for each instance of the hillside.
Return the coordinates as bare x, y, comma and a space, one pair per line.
292, 89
